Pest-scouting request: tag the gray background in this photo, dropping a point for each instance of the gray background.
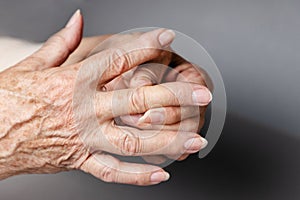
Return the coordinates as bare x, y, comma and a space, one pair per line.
256, 45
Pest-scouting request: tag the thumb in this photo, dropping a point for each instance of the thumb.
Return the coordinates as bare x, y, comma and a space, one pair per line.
147, 74
58, 47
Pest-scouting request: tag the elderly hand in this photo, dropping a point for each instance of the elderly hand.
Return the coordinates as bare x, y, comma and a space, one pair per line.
188, 118
92, 45
46, 128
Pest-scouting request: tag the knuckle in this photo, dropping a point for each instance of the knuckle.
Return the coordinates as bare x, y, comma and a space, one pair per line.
119, 61
137, 100
107, 174
130, 145
139, 180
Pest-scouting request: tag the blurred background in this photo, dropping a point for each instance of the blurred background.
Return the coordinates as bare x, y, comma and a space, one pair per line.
256, 45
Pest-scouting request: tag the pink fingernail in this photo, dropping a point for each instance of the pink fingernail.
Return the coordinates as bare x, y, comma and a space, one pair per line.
156, 116
193, 145
157, 177
166, 37
142, 82
73, 18
131, 119
201, 96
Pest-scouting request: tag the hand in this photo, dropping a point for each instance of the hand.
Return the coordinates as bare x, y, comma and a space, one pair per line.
150, 74
93, 45
182, 119
189, 118
42, 133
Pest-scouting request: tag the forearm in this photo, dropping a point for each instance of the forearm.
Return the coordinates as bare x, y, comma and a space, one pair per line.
13, 50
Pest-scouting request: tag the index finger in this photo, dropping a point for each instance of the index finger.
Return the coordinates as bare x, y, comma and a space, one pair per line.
139, 100
115, 61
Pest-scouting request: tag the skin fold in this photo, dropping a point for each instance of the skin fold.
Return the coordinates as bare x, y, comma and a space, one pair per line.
41, 133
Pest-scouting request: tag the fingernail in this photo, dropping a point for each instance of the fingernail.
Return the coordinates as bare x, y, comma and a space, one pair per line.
201, 96
195, 144
73, 19
131, 119
157, 177
166, 37
204, 143
142, 82
153, 117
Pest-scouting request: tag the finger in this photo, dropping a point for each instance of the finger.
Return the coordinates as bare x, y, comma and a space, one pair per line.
117, 83
164, 58
172, 74
168, 115
131, 54
128, 141
121, 81
184, 72
113, 41
148, 74
191, 73
84, 49
110, 169
58, 47
188, 125
139, 100
160, 159
152, 72
188, 72
157, 160
183, 157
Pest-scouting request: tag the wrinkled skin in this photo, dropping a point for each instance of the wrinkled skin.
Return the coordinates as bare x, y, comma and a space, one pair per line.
180, 70
40, 134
